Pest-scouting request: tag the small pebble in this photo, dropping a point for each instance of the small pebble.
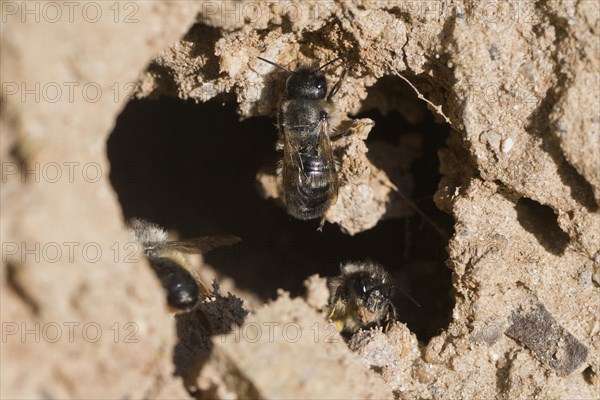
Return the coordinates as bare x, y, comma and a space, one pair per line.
506, 145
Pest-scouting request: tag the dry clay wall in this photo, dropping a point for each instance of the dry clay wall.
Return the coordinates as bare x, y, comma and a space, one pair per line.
518, 84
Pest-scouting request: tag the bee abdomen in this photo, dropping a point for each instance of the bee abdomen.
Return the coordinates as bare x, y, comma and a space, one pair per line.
310, 201
315, 165
182, 294
181, 287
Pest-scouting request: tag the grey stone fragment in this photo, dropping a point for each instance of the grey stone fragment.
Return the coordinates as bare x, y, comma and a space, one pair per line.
535, 328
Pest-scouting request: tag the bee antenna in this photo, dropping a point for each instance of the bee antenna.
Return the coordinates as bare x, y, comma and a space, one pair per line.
412, 299
275, 64
343, 56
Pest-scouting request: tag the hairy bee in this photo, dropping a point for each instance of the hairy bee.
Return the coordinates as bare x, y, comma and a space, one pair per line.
182, 284
308, 168
360, 297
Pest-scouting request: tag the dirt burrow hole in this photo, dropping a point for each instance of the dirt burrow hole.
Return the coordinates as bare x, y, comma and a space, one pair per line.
192, 168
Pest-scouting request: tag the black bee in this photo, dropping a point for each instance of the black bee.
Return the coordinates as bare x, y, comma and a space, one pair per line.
182, 284
360, 297
308, 167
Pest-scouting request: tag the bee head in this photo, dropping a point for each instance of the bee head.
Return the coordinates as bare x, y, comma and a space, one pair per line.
306, 84
375, 295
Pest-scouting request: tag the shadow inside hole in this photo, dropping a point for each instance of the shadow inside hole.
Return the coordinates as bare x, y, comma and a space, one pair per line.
541, 221
195, 330
191, 168
426, 232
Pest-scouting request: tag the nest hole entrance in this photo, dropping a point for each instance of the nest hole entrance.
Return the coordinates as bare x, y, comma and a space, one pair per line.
421, 239
192, 168
542, 222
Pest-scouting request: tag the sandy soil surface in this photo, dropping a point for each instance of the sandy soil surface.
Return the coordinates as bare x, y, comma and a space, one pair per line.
162, 110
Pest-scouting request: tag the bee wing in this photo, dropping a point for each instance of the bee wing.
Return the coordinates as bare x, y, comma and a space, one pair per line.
292, 163
202, 244
325, 141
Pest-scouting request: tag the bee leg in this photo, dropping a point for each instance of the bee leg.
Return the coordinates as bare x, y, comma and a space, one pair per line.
337, 85
330, 313
203, 289
390, 318
339, 325
338, 136
333, 202
320, 228
356, 126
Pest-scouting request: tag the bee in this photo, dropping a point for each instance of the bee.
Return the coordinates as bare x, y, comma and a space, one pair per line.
359, 297
308, 168
183, 285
